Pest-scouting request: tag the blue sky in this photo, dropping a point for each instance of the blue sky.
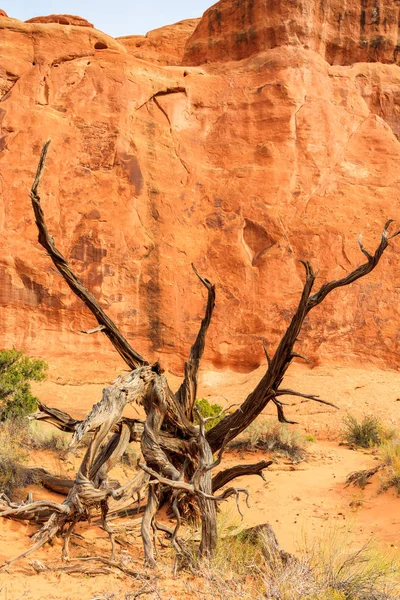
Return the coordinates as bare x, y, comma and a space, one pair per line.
115, 17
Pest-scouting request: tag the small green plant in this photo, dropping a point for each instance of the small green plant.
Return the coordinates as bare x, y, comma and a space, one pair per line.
310, 438
206, 410
390, 454
16, 373
365, 434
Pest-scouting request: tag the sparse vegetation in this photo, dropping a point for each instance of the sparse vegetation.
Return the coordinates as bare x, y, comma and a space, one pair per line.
332, 569
12, 455
362, 478
16, 373
342, 570
17, 437
274, 437
390, 454
329, 568
368, 433
43, 437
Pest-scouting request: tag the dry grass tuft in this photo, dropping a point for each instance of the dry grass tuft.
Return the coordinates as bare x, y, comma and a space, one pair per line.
273, 437
390, 454
45, 437
368, 433
330, 568
12, 455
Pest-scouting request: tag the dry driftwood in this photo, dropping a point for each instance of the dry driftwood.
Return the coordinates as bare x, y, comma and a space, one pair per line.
362, 478
177, 454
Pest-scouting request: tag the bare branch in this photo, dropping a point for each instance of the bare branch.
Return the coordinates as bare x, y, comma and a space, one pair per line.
132, 358
281, 414
363, 250
296, 355
187, 392
94, 330
267, 356
361, 271
287, 392
224, 477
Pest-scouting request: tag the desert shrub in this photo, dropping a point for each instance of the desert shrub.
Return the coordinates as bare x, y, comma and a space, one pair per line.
207, 410
44, 437
16, 373
274, 437
354, 573
367, 433
13, 435
390, 454
331, 568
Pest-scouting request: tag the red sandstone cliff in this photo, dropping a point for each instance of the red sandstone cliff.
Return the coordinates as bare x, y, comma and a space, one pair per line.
280, 144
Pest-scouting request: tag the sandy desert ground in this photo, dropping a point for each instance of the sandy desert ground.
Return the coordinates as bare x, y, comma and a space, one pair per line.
300, 500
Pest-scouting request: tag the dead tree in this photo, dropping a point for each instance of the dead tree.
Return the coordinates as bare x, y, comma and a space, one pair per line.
177, 455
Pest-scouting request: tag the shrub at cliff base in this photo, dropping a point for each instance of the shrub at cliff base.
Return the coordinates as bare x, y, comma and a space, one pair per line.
368, 433
16, 373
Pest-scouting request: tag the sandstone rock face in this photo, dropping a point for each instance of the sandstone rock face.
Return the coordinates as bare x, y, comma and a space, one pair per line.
62, 20
163, 46
241, 167
342, 31
3, 13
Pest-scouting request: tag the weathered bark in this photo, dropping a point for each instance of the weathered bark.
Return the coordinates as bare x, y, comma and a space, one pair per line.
224, 477
60, 485
361, 478
265, 537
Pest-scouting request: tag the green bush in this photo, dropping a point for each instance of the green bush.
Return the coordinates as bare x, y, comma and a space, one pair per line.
16, 373
207, 410
367, 433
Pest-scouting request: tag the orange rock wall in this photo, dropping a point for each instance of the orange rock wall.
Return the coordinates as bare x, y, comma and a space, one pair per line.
164, 46
241, 166
342, 31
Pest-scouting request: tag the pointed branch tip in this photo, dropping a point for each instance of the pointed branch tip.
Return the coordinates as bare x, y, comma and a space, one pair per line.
203, 280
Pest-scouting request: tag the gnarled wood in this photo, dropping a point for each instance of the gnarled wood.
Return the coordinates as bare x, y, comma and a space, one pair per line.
177, 455
226, 476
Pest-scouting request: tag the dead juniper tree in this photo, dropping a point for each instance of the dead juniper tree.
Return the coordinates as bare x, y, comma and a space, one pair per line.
177, 455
